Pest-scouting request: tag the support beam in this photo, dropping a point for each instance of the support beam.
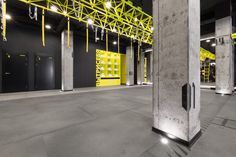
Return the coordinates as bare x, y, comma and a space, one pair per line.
67, 62
129, 66
140, 69
150, 67
224, 56
176, 89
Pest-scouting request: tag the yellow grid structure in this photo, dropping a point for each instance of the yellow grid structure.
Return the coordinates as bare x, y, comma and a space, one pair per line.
206, 54
122, 17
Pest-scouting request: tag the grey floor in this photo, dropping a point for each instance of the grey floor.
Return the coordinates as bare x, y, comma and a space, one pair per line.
110, 123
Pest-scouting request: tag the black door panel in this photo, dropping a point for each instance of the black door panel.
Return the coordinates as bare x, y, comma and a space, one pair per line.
15, 72
44, 73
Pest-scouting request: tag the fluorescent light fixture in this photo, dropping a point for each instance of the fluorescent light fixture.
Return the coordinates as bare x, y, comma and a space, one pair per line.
208, 40
213, 45
53, 8
8, 17
114, 42
108, 4
212, 63
164, 140
90, 21
47, 26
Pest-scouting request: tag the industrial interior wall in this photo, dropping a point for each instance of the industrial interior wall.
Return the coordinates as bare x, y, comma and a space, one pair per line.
22, 38
85, 62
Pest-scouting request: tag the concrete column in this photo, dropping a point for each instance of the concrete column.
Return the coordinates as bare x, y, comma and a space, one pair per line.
66, 62
129, 66
140, 69
150, 67
224, 56
176, 69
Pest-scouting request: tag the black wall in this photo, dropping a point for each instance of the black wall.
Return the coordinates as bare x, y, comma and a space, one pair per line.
27, 39
85, 63
22, 38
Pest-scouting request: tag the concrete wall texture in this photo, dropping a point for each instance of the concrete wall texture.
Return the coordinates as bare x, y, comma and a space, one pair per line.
176, 63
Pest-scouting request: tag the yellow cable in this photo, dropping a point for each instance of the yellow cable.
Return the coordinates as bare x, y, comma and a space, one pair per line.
4, 7
43, 28
107, 40
87, 37
68, 32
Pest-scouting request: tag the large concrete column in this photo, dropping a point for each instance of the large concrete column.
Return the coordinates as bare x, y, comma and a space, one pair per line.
140, 69
224, 56
66, 62
129, 66
150, 67
176, 89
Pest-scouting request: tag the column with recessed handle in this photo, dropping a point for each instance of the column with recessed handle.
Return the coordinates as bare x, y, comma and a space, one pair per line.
176, 69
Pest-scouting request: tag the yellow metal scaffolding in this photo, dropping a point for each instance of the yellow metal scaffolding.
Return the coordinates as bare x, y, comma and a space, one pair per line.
121, 17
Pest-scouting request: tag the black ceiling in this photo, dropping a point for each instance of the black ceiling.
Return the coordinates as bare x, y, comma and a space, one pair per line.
20, 12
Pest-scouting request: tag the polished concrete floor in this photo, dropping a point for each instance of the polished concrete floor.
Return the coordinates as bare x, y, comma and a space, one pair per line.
108, 123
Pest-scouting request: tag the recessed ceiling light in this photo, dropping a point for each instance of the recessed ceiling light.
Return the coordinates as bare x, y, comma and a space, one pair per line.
53, 8
90, 21
8, 17
108, 4
47, 26
208, 40
114, 42
64, 12
164, 141
213, 45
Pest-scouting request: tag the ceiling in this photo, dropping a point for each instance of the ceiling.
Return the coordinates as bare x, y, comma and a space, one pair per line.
20, 12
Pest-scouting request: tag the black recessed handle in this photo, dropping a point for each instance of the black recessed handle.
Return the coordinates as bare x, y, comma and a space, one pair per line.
194, 92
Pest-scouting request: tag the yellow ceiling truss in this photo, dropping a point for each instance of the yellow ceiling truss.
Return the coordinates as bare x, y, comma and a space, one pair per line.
122, 17
204, 54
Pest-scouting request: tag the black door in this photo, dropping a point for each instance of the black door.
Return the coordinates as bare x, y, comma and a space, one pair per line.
15, 72
44, 73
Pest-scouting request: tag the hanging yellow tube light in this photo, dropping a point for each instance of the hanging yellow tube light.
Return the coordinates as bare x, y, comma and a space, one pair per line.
87, 37
4, 23
68, 32
43, 28
107, 40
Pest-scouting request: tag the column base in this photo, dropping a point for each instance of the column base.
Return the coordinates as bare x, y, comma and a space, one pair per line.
67, 90
178, 140
224, 92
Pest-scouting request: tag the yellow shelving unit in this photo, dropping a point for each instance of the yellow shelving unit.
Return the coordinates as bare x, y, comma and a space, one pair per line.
207, 72
108, 68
